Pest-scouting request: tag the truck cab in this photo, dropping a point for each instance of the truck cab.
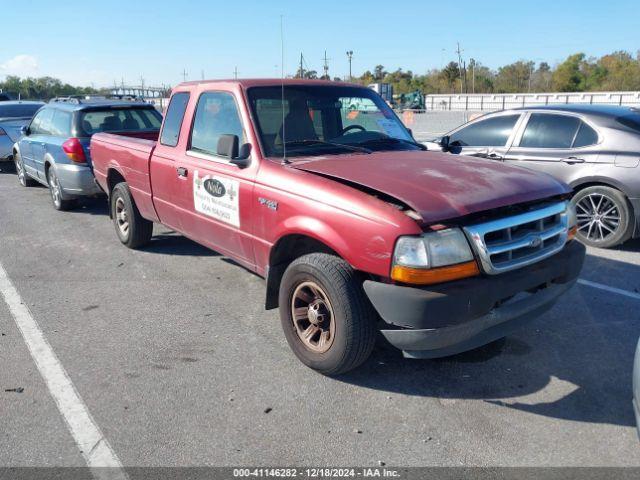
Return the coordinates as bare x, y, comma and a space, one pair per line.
355, 228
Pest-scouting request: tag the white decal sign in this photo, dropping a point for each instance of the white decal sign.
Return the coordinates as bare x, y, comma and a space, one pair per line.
217, 197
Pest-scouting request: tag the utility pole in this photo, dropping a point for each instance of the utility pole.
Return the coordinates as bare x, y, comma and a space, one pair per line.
459, 52
350, 57
325, 67
235, 72
142, 85
530, 75
473, 75
201, 74
301, 66
184, 75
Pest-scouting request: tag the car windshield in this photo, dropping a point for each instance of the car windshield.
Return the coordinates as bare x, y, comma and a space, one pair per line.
19, 110
324, 120
119, 120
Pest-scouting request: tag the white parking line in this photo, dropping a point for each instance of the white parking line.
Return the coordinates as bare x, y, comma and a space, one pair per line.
607, 288
92, 444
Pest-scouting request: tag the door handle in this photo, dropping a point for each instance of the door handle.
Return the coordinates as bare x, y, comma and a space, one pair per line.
182, 172
573, 160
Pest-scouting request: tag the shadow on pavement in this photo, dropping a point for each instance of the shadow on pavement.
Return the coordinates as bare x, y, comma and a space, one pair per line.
574, 363
176, 244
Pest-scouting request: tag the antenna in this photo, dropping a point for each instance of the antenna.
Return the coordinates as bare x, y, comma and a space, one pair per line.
284, 142
325, 67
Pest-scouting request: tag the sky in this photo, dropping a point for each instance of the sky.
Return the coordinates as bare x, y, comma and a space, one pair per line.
86, 42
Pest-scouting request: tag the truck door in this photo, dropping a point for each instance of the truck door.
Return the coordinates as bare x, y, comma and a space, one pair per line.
163, 170
215, 196
557, 144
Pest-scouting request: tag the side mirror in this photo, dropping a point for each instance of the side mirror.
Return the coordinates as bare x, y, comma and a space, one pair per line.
24, 130
444, 143
228, 146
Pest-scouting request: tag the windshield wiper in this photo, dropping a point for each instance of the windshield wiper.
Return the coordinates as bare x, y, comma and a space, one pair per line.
393, 140
320, 143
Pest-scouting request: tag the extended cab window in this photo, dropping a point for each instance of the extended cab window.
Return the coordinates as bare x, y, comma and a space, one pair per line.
492, 132
216, 115
550, 131
173, 119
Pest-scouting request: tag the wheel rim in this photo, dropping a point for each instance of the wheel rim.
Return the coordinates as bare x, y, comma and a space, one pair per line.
54, 187
20, 171
598, 217
122, 218
313, 317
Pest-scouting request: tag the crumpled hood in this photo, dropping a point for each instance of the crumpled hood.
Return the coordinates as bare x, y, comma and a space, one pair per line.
439, 186
12, 127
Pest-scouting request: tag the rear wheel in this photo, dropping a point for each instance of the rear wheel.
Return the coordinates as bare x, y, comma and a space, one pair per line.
326, 317
604, 216
57, 195
132, 229
24, 179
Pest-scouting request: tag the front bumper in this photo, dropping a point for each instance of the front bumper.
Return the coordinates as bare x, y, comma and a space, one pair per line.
445, 319
76, 180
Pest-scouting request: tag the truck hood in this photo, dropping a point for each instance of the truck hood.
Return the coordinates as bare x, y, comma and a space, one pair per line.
438, 186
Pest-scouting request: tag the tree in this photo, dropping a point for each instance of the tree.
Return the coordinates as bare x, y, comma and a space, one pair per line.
379, 73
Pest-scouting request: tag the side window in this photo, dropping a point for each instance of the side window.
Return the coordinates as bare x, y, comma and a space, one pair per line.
173, 119
41, 125
550, 131
492, 132
61, 124
586, 136
216, 115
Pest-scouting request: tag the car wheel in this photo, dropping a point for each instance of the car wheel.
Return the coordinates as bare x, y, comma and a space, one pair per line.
604, 216
326, 317
132, 229
57, 195
23, 177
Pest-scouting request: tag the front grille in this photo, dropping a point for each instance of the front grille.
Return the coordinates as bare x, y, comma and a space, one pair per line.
513, 242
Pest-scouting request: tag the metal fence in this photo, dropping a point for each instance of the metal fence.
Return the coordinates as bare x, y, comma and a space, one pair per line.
492, 102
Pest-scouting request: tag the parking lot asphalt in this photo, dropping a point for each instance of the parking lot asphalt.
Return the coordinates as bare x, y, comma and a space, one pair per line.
178, 363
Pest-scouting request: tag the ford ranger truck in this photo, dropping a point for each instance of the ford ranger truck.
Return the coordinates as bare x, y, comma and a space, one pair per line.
356, 229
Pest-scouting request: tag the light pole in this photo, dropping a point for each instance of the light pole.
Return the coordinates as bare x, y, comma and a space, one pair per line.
350, 57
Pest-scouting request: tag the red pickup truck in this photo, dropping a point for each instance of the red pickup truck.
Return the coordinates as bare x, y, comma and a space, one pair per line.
355, 227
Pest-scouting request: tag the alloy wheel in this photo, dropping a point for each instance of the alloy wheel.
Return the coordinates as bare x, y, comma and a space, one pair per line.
598, 217
54, 187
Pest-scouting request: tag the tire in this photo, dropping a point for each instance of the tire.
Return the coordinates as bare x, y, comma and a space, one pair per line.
55, 190
330, 284
23, 177
605, 216
132, 229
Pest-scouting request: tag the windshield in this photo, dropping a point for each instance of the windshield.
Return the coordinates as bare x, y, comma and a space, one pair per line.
321, 120
119, 120
19, 110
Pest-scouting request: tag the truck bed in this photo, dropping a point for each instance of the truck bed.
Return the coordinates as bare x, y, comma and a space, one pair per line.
129, 155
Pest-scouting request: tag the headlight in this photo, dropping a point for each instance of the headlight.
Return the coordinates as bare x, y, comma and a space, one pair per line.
433, 257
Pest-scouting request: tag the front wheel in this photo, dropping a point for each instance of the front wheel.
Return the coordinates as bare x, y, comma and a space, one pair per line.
326, 317
604, 216
132, 229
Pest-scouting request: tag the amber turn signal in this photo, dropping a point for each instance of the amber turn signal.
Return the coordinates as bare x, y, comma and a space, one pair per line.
572, 233
429, 276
